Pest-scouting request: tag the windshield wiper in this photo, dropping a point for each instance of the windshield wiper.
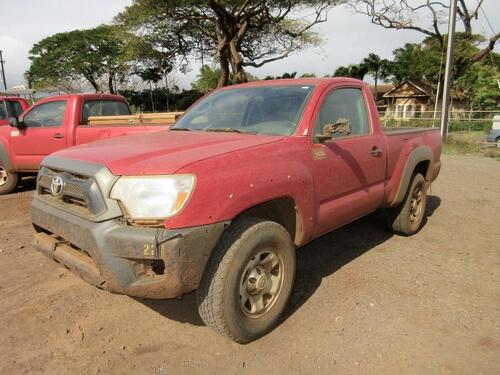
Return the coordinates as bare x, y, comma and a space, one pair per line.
230, 130
182, 129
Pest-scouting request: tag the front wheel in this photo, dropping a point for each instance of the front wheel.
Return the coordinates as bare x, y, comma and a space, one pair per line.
8, 181
406, 218
248, 280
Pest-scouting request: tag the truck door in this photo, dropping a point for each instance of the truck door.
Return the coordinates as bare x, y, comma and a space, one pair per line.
42, 134
349, 166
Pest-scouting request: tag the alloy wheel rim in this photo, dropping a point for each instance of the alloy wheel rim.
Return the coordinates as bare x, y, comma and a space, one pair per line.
416, 204
261, 283
3, 176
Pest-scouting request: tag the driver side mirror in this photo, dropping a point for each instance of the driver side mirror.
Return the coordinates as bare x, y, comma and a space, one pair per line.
16, 123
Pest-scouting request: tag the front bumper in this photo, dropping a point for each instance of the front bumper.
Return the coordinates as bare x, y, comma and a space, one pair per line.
137, 261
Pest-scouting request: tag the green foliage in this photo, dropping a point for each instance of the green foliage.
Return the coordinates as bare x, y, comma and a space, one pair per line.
358, 71
235, 33
81, 54
140, 101
207, 79
480, 84
426, 61
308, 75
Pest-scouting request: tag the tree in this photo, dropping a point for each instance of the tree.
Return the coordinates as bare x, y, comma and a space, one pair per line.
240, 33
378, 67
406, 14
93, 55
481, 85
207, 79
353, 70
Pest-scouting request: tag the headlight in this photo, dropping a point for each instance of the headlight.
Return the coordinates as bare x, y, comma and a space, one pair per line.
153, 197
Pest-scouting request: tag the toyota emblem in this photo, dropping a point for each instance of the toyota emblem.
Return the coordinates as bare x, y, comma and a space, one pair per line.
57, 186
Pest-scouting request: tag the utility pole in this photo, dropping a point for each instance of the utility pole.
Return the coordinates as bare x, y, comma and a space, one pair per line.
3, 72
449, 69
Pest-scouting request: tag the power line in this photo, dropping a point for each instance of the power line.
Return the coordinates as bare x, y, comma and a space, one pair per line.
493, 62
486, 17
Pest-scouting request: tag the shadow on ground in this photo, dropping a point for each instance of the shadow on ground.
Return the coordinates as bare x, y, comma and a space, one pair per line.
26, 184
317, 260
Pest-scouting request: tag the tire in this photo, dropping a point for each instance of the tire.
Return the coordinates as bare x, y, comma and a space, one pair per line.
406, 218
8, 181
248, 280
498, 142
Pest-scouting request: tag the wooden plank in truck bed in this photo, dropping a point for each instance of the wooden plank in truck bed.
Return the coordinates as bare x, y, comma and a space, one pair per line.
165, 118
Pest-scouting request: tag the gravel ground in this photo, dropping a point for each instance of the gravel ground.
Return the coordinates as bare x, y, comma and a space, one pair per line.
365, 301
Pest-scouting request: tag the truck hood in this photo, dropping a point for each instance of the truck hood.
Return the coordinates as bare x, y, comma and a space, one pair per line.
163, 152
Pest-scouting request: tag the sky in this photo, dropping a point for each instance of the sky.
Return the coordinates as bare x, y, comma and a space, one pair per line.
348, 37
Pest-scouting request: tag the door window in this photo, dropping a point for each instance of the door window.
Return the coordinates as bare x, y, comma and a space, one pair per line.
103, 108
343, 113
49, 114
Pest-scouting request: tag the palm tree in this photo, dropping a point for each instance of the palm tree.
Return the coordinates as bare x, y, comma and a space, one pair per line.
354, 70
377, 67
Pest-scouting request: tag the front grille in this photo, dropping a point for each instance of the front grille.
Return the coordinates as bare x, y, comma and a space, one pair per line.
80, 194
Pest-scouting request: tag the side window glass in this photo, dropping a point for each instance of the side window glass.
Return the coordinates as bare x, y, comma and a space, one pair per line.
46, 115
3, 111
103, 108
342, 114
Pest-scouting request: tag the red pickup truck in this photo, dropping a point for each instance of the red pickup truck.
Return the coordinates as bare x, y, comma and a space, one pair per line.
53, 124
221, 202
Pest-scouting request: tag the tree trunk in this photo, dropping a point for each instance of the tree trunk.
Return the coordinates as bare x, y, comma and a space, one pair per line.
224, 66
93, 82
240, 76
110, 84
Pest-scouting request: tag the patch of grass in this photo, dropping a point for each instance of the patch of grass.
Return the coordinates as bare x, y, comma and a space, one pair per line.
462, 145
493, 152
455, 145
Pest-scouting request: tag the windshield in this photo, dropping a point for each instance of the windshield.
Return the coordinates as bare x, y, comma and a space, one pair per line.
274, 110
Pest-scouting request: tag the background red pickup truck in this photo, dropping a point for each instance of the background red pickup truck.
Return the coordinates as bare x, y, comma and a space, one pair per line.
53, 124
221, 201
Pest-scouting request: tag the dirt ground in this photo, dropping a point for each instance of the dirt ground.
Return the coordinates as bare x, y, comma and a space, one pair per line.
365, 301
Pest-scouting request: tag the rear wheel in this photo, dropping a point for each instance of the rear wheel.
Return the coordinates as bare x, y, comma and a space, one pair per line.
406, 219
248, 280
8, 181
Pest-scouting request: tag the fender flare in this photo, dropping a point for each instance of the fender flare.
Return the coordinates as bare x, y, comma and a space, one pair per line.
4, 158
418, 155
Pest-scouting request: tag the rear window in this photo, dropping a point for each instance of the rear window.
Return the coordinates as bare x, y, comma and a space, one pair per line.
103, 108
15, 108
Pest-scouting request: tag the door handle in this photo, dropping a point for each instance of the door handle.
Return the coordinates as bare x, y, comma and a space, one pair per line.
58, 136
376, 151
